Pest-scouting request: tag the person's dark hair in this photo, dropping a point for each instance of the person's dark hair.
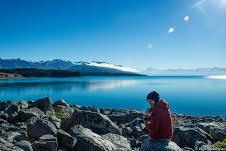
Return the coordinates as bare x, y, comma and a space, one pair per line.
154, 96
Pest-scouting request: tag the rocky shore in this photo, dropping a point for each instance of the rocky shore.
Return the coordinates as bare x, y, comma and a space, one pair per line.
45, 126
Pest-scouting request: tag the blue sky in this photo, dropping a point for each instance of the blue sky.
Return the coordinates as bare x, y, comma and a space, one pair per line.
135, 33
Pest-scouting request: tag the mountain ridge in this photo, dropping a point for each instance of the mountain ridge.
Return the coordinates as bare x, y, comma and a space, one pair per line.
85, 68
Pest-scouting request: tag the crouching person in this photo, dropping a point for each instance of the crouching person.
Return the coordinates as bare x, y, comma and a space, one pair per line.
158, 122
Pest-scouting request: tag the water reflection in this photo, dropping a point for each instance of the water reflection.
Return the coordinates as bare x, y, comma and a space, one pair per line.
183, 93
61, 86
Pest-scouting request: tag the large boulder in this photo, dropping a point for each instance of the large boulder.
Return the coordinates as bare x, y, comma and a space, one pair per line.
2, 121
13, 108
97, 122
216, 130
46, 142
4, 115
4, 105
26, 114
37, 127
186, 136
149, 145
44, 104
23, 104
90, 108
199, 145
63, 111
53, 119
7, 146
13, 136
121, 142
60, 102
89, 141
126, 117
25, 145
65, 139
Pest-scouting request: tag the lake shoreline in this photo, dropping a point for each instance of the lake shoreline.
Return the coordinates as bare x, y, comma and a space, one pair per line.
41, 124
127, 92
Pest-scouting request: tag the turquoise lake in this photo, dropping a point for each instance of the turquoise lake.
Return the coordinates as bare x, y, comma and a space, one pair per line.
189, 95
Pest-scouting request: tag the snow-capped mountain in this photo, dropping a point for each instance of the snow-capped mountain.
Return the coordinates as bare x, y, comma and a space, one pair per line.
108, 65
186, 72
85, 68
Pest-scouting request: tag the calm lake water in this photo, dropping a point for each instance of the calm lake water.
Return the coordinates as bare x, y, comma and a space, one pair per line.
190, 95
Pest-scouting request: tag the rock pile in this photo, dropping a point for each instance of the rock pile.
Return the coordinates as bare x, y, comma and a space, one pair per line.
45, 126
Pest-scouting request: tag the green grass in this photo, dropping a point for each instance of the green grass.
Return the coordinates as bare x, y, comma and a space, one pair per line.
60, 114
221, 145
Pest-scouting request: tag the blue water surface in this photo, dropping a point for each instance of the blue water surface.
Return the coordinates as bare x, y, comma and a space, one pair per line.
189, 95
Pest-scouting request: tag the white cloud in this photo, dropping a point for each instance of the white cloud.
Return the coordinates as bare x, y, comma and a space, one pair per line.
170, 30
108, 65
149, 46
186, 18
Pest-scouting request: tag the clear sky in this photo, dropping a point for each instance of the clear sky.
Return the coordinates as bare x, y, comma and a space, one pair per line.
135, 33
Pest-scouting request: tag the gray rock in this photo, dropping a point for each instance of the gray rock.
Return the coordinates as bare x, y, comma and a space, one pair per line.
127, 132
199, 145
13, 136
150, 145
4, 115
2, 121
89, 141
7, 146
23, 104
91, 109
44, 104
216, 130
60, 102
134, 143
187, 149
119, 141
61, 148
37, 111
3, 106
144, 137
13, 108
26, 114
53, 119
65, 139
135, 122
24, 135
63, 111
97, 122
38, 127
186, 137
126, 116
25, 145
137, 132
21, 125
8, 128
137, 127
46, 142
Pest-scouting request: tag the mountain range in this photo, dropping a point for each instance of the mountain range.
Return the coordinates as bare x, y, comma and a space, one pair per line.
85, 68
215, 71
104, 68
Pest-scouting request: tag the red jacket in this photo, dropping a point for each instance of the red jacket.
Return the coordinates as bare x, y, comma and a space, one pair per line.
159, 124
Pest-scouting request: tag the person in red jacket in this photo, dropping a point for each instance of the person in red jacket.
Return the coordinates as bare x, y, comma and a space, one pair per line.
158, 120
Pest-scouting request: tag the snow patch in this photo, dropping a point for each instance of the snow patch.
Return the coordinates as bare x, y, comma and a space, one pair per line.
221, 77
107, 65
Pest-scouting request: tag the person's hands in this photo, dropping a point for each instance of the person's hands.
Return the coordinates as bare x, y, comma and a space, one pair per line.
148, 111
146, 117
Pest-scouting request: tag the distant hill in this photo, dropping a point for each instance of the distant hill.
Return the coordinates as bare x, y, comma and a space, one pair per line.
186, 72
33, 72
84, 68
